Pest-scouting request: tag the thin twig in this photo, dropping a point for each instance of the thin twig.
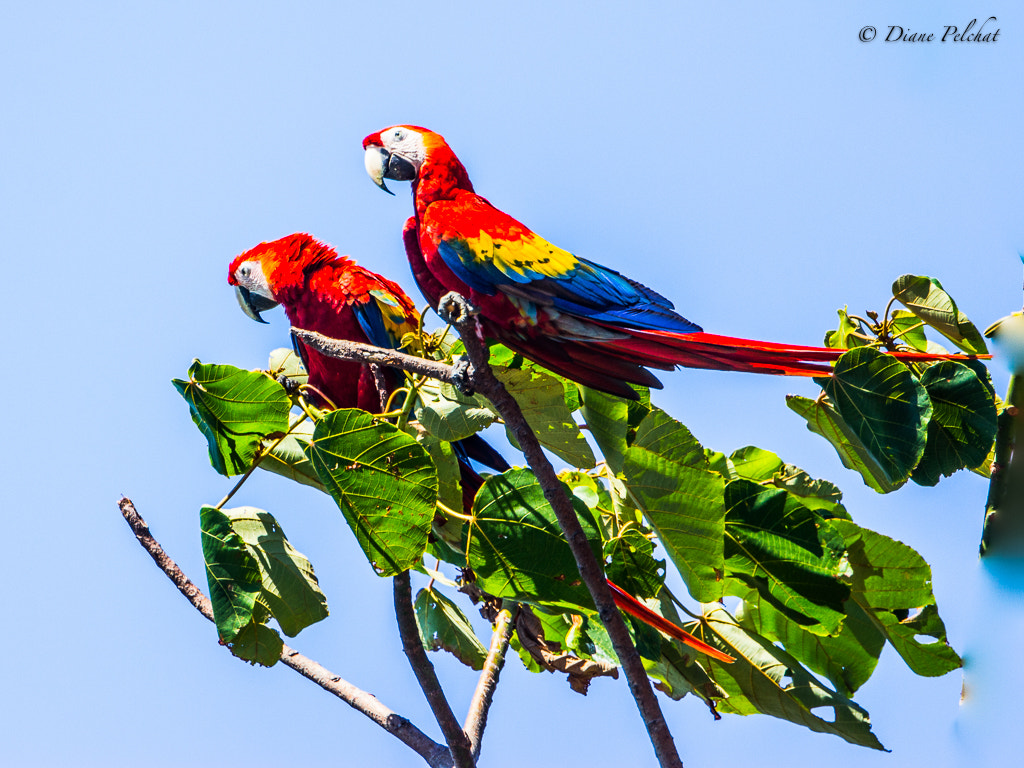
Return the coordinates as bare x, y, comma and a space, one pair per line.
1006, 428
366, 353
436, 755
382, 385
476, 719
457, 740
487, 384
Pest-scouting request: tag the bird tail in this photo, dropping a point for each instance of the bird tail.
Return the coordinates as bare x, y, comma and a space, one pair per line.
661, 349
629, 604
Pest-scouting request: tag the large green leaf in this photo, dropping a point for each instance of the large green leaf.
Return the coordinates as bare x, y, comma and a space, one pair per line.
884, 405
290, 590
284, 362
384, 483
541, 397
765, 679
236, 410
963, 424
926, 298
892, 583
683, 503
516, 548
823, 419
443, 625
630, 563
787, 553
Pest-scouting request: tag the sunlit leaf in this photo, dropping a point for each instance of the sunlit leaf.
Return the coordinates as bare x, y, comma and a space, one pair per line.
383, 481
682, 503
541, 397
284, 362
607, 417
236, 410
290, 457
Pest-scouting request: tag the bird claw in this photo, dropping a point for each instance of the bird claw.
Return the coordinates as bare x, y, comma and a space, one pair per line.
454, 308
291, 386
462, 374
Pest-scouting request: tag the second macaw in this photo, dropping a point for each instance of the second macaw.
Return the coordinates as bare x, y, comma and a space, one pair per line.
585, 321
331, 295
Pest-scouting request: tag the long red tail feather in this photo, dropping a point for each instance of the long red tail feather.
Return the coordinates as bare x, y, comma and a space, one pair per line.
626, 602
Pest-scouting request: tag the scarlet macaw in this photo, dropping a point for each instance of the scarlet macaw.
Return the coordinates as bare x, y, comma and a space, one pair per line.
585, 321
330, 294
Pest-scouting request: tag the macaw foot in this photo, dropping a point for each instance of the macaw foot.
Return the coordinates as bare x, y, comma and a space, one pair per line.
454, 308
462, 375
291, 386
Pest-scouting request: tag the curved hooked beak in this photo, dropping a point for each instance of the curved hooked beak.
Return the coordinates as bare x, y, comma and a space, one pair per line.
381, 164
253, 303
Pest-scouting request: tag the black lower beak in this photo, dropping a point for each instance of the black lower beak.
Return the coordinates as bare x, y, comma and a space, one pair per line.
253, 303
381, 164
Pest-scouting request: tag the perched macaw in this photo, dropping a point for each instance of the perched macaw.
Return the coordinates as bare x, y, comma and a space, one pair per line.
330, 294
585, 321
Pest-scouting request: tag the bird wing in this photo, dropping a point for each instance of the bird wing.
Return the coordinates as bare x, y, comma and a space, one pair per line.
490, 251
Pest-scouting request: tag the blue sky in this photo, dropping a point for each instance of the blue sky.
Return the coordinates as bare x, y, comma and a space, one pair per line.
759, 165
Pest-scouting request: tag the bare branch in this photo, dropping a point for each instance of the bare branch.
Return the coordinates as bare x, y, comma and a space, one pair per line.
480, 705
457, 740
367, 353
436, 755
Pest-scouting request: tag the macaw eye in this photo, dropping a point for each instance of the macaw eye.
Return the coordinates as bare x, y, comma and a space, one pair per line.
398, 135
243, 271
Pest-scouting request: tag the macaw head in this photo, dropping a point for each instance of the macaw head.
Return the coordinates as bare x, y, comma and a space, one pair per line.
255, 272
398, 153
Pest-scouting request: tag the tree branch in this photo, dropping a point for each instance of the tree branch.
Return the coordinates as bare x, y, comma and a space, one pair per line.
457, 311
436, 755
367, 353
476, 719
457, 740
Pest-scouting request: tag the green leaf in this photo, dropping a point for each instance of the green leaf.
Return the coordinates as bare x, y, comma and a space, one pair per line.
847, 659
236, 410
232, 574
259, 644
681, 502
963, 424
449, 415
384, 483
661, 434
891, 582
788, 554
909, 328
541, 397
755, 464
823, 419
765, 679
845, 337
884, 405
516, 547
925, 297
290, 457
290, 590
443, 625
254, 574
